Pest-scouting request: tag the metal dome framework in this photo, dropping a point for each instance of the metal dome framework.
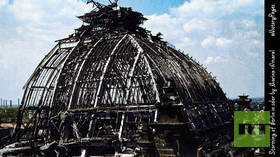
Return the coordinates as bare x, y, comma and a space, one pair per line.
112, 85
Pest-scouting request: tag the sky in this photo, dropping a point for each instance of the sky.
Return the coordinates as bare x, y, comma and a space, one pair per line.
226, 36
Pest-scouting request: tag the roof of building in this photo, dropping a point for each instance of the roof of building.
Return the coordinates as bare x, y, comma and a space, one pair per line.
111, 61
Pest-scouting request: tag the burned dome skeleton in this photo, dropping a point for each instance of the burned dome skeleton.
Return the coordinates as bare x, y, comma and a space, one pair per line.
111, 87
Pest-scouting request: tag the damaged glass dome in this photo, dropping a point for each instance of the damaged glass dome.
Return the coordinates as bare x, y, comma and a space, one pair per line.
111, 88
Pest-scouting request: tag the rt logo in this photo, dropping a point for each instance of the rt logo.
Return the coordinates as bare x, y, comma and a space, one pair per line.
251, 129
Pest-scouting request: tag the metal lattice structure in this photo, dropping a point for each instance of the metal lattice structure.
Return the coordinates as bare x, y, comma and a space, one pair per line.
111, 88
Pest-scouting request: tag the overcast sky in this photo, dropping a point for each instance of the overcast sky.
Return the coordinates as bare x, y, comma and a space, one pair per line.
226, 36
